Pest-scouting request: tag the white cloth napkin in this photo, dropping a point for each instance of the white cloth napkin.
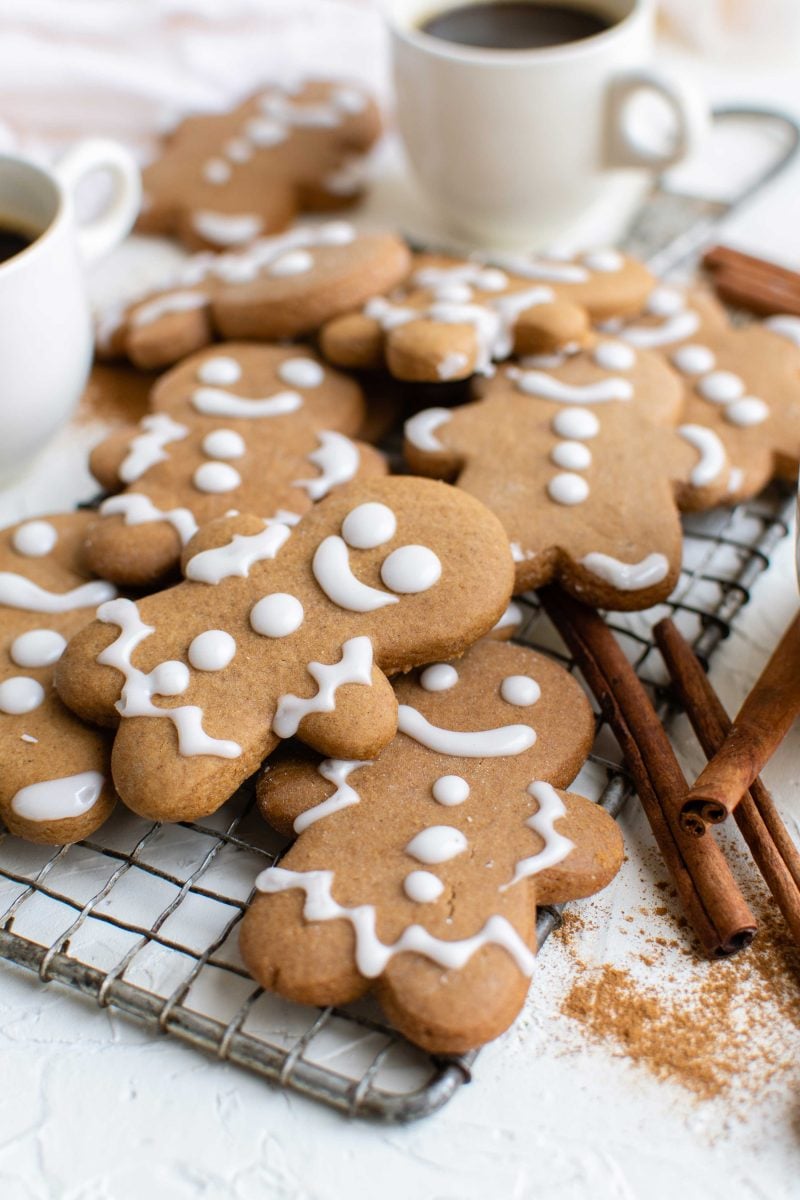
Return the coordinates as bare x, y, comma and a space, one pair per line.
130, 68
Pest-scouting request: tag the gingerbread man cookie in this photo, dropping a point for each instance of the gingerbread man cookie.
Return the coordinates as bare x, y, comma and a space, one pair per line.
279, 632
277, 287
455, 317
741, 383
258, 429
418, 875
582, 458
224, 180
55, 778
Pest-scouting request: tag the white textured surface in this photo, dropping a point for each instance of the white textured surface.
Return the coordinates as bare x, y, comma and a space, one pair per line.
94, 1108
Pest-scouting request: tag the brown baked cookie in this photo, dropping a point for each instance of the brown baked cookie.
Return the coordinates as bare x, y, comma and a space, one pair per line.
278, 287
224, 180
258, 429
670, 316
418, 875
55, 778
116, 394
582, 458
278, 632
455, 317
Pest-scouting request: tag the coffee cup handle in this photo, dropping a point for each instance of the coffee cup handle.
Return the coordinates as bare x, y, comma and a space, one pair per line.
629, 148
100, 234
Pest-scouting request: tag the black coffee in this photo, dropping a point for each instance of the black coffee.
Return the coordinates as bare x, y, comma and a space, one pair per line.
13, 239
515, 24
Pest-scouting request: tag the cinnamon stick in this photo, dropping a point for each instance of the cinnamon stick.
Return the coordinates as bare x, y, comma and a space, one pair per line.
773, 850
709, 895
758, 729
753, 283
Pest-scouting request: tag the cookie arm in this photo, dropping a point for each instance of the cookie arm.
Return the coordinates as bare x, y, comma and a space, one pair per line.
108, 456
288, 789
697, 462
596, 856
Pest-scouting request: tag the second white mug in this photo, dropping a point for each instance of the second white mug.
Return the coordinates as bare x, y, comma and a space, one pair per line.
515, 146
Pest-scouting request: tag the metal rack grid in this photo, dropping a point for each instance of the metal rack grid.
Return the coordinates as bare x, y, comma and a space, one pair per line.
143, 917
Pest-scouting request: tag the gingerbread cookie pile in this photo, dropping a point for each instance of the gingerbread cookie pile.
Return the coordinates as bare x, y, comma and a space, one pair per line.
255, 574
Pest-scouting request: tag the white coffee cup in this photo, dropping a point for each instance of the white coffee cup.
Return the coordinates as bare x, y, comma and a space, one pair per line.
515, 147
45, 320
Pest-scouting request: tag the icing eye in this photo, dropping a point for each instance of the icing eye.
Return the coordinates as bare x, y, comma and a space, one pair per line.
301, 373
439, 678
411, 569
220, 370
34, 539
450, 790
369, 525
216, 477
520, 690
170, 678
212, 650
277, 615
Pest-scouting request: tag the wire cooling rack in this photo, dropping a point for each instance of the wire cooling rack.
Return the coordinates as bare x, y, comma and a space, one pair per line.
143, 917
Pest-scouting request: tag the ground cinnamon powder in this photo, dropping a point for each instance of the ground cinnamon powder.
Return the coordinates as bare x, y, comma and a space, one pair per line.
732, 1027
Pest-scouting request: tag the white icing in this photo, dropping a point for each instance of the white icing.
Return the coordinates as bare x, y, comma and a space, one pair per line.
331, 567
37, 648
750, 410
614, 356
452, 366
693, 359
165, 680
137, 509
602, 391
163, 306
720, 387
264, 133
369, 525
712, 453
604, 261
216, 477
549, 271
511, 617
212, 650
147, 448
224, 443
28, 737
450, 790
674, 329
350, 100
420, 428
785, 326
301, 373
294, 262
437, 844
627, 577
277, 615
220, 371
481, 743
355, 666
439, 678
520, 690
237, 556
411, 569
59, 799
572, 456
216, 171
19, 694
579, 423
337, 771
423, 887
18, 592
556, 847
664, 302
337, 458
34, 539
371, 954
213, 402
568, 488
469, 275
226, 229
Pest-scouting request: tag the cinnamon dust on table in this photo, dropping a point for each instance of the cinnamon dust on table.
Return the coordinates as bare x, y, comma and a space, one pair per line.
731, 1027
